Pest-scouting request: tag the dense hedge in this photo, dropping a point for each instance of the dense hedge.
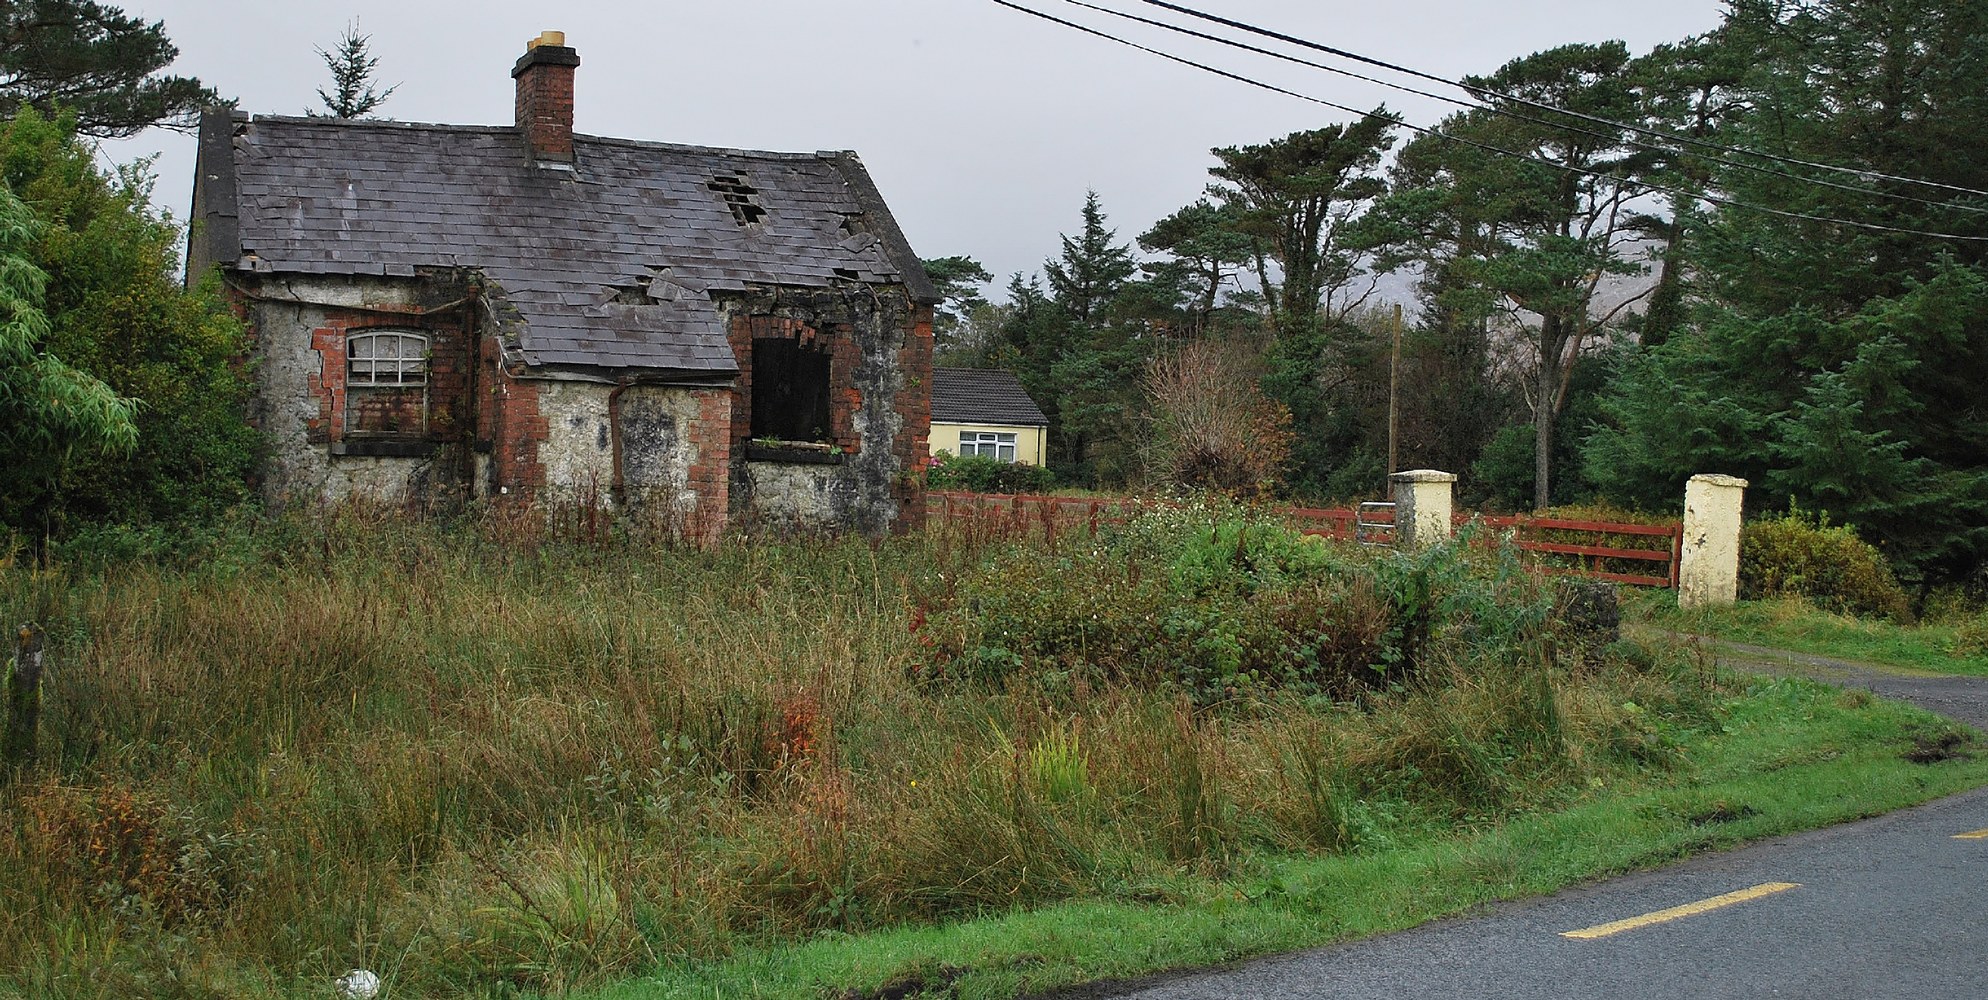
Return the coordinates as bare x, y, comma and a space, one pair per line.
981, 474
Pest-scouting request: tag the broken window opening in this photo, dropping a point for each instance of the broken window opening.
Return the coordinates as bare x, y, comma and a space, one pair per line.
790, 390
386, 383
742, 198
386, 357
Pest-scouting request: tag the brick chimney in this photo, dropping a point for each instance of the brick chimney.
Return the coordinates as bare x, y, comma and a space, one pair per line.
545, 96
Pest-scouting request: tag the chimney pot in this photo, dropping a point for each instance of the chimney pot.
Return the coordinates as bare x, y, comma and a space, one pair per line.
545, 96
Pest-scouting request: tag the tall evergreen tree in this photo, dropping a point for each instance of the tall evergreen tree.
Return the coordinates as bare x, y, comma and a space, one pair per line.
353, 66
1070, 350
1535, 237
1829, 364
1091, 269
99, 64
958, 280
1207, 243
1296, 198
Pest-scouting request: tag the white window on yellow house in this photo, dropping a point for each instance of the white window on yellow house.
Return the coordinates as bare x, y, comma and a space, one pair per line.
994, 445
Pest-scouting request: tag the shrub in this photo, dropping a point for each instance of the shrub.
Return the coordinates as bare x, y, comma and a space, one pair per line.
1212, 427
982, 474
116, 309
1226, 609
1970, 638
1800, 554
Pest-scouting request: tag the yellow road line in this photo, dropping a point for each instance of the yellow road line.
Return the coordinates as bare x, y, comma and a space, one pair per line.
1678, 912
1976, 835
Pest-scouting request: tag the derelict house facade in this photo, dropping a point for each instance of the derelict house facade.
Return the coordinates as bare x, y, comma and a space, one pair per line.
524, 313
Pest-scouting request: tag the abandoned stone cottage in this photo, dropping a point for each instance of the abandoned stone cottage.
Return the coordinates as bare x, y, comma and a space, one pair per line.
527, 314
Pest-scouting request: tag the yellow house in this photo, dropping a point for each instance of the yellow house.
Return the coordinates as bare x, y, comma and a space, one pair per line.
986, 412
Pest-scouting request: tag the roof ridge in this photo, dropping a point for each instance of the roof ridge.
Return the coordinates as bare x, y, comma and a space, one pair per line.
322, 121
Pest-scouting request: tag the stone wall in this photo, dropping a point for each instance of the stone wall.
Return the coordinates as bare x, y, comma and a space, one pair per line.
880, 351
652, 451
481, 426
329, 441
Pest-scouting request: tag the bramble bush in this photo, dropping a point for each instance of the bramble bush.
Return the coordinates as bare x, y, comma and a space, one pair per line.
1800, 554
1228, 606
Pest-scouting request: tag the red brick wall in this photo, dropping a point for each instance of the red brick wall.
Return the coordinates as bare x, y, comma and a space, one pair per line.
509, 423
914, 408
711, 470
544, 106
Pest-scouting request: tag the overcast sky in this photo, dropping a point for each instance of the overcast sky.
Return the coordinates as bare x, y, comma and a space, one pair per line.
983, 127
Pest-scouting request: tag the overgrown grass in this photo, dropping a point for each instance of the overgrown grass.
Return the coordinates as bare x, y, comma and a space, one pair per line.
486, 766
1788, 755
1949, 646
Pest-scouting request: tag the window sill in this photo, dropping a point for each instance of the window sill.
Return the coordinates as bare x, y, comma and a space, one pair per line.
383, 448
792, 454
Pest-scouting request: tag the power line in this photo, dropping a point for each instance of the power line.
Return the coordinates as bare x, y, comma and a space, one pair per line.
1542, 106
1423, 130
1614, 137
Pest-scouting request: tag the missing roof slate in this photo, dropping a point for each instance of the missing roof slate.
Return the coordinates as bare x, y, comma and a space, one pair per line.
741, 197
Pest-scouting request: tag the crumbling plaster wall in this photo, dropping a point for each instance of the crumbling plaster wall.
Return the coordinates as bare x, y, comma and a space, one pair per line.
661, 434
299, 327
880, 347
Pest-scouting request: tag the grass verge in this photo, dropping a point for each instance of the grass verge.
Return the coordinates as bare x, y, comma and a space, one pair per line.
1798, 626
1790, 755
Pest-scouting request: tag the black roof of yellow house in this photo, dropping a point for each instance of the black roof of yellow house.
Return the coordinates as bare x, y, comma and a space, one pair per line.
982, 396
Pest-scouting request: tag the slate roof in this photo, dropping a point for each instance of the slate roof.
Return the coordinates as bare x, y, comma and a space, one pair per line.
609, 265
982, 396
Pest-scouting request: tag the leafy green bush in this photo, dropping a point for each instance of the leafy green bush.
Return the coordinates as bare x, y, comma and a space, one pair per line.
1970, 637
1800, 554
117, 310
1222, 609
982, 474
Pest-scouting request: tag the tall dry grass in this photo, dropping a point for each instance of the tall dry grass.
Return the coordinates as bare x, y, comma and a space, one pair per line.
477, 765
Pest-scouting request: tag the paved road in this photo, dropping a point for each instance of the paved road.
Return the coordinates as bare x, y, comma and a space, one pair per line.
1890, 907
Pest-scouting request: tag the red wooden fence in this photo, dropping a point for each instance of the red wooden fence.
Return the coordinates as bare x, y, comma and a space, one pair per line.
1643, 554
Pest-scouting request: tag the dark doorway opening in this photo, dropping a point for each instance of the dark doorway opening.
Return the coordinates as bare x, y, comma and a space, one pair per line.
789, 390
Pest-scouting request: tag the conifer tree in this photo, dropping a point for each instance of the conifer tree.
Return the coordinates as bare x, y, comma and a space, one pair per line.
96, 64
352, 66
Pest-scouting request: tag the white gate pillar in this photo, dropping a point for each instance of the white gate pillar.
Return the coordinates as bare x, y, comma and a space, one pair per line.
1708, 574
1423, 502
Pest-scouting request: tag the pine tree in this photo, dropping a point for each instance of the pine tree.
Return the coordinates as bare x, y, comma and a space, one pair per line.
1536, 235
1091, 270
352, 66
1827, 364
97, 64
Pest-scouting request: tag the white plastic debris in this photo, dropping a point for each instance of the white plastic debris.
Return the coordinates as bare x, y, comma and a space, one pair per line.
359, 984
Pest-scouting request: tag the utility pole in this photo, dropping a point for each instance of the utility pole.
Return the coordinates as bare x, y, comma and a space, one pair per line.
1394, 399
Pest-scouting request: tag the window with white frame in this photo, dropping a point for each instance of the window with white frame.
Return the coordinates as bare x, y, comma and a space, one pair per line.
993, 444
386, 358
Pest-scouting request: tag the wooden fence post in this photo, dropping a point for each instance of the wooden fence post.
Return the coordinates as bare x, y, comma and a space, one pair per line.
23, 693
